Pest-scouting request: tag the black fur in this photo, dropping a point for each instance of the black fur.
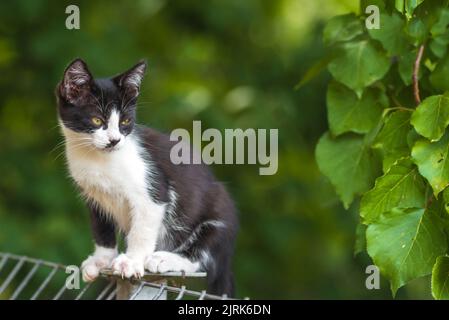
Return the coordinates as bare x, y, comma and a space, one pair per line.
200, 198
103, 229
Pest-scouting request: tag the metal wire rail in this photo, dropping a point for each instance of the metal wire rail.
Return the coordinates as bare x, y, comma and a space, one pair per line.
28, 278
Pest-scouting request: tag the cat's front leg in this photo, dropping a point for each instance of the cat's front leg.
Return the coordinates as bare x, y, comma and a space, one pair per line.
100, 259
140, 240
164, 261
103, 230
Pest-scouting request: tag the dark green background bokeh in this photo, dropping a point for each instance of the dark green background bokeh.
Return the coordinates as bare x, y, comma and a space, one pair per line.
230, 64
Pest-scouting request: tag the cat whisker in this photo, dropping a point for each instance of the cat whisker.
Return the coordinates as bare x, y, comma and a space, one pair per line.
76, 146
59, 145
63, 143
102, 100
98, 104
54, 127
107, 105
121, 103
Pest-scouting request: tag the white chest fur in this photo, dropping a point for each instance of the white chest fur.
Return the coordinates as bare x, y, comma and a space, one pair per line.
117, 180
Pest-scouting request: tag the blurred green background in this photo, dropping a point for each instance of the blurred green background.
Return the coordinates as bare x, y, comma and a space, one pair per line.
230, 64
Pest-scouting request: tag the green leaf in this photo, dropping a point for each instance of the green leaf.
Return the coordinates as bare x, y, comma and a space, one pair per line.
431, 117
440, 35
440, 27
438, 46
439, 78
430, 11
349, 163
393, 134
432, 159
399, 5
348, 113
446, 199
405, 244
440, 278
412, 138
392, 138
410, 6
401, 187
417, 31
342, 28
359, 64
405, 67
391, 34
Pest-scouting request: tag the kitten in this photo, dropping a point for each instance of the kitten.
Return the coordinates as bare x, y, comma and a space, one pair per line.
173, 217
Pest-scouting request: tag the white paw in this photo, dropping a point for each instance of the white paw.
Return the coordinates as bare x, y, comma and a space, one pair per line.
92, 266
164, 261
101, 258
127, 267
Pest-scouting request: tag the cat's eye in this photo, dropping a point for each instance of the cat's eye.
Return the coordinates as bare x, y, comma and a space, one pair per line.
125, 122
97, 121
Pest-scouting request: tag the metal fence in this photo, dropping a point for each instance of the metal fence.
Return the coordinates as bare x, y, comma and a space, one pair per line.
26, 278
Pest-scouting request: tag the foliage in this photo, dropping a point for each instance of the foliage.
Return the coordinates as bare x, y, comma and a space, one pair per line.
388, 142
230, 64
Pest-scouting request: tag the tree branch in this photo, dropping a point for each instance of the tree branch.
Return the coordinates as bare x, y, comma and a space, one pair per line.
416, 74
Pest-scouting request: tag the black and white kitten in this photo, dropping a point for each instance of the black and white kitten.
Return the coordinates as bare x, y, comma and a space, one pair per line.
174, 217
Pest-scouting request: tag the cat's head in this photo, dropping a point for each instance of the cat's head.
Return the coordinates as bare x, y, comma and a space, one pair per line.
99, 113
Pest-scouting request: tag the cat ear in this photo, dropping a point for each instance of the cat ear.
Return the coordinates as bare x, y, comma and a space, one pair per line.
76, 81
129, 81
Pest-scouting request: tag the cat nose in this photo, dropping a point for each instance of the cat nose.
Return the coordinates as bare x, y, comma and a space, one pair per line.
113, 142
